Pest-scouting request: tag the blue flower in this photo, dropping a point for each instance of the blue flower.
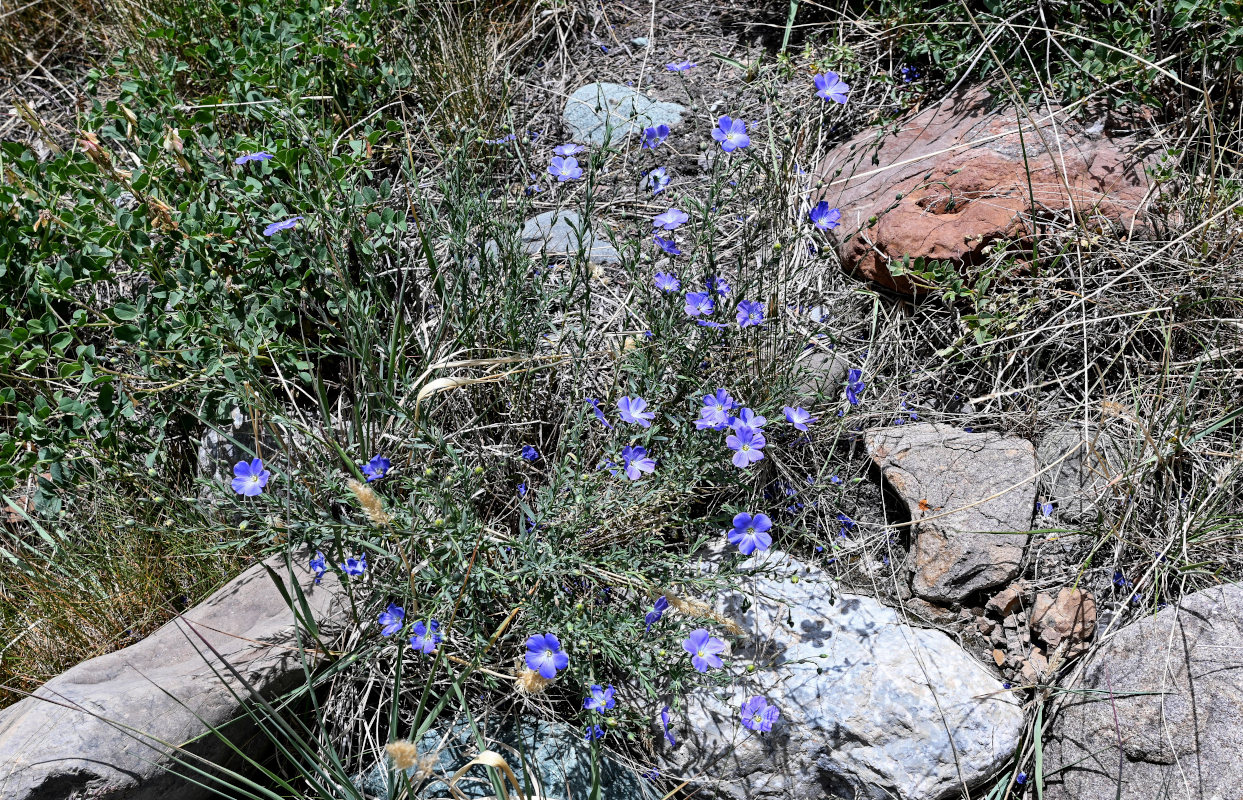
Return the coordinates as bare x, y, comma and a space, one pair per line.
667, 282
599, 699
699, 303
825, 218
854, 385
319, 566
566, 150
283, 225
631, 409
751, 533
758, 715
565, 169
748, 446
522, 489
1021, 778
249, 478
392, 619
1120, 580
637, 462
834, 480
731, 133
658, 610
376, 468
599, 412
680, 66
830, 86
707, 323
705, 650
653, 136
425, 637
355, 566
544, 655
747, 419
720, 286
656, 181
800, 418
750, 312
1046, 509
593, 732
529, 453
670, 220
664, 721
260, 156
668, 245
846, 522
502, 139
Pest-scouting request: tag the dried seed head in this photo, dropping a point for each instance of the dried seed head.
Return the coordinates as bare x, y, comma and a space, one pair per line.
370, 501
700, 610
530, 682
403, 753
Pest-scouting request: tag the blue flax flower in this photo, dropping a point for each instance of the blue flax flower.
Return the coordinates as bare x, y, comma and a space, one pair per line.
668, 245
751, 533
391, 619
425, 637
355, 566
707, 323
758, 715
566, 150
750, 312
1046, 509
599, 699
830, 86
319, 566
846, 522
854, 386
800, 418
667, 282
747, 419
631, 409
544, 655
599, 412
283, 225
1021, 778
260, 156
658, 610
670, 220
249, 477
680, 66
656, 180
664, 722
699, 303
529, 453
705, 650
637, 462
653, 136
720, 286
731, 133
825, 218
376, 468
565, 169
593, 732
716, 410
748, 446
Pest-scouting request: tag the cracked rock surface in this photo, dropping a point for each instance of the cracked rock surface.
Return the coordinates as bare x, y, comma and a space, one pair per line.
971, 497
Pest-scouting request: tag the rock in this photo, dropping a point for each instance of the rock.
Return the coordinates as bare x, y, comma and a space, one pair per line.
1168, 691
558, 235
954, 179
600, 111
870, 706
1071, 617
553, 754
821, 372
1034, 667
1005, 602
976, 491
1086, 464
62, 741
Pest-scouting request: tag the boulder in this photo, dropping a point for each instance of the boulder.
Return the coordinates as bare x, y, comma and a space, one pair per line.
609, 111
960, 175
969, 495
1161, 701
102, 729
558, 235
870, 706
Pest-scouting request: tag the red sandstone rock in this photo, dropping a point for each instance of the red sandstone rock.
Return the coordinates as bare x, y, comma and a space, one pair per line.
954, 179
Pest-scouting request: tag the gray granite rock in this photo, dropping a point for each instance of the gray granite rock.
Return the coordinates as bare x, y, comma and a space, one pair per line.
870, 706
560, 235
1086, 461
556, 755
1162, 700
975, 492
821, 372
99, 730
609, 110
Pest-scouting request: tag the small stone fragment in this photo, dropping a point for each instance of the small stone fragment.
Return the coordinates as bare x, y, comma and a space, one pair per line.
1006, 601
1072, 615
